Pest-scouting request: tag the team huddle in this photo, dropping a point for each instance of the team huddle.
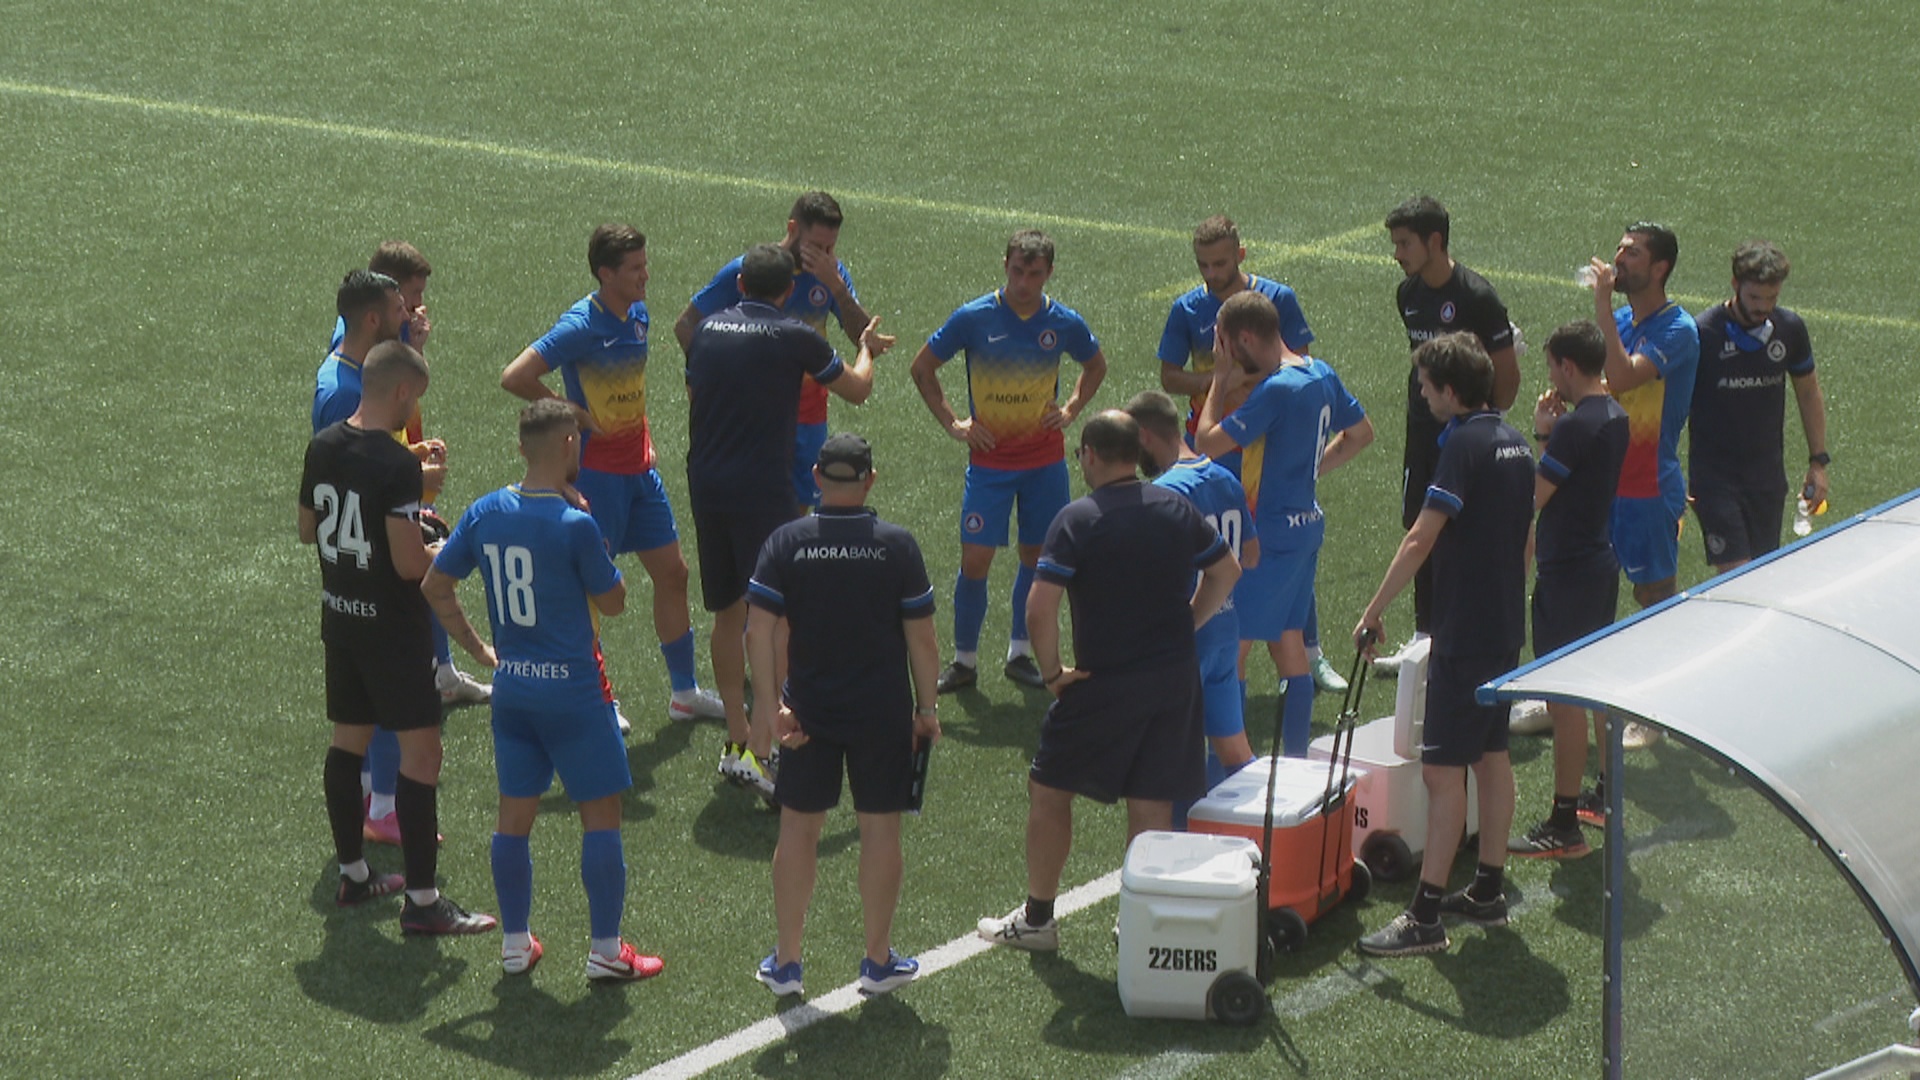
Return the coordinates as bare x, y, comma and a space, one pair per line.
824, 611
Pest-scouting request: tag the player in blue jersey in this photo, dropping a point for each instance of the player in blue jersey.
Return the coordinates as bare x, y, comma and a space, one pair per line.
600, 348
822, 287
1216, 493
1653, 360
1014, 339
1298, 422
546, 571
1475, 527
1750, 347
1186, 358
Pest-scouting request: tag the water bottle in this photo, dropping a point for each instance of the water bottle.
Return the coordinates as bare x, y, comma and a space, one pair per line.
1585, 277
1805, 510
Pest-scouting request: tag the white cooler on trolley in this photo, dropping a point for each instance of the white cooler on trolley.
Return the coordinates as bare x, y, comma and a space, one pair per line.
1190, 928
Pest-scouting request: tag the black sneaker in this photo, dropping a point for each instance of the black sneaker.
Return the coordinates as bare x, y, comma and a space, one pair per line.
1479, 912
1023, 670
1404, 937
1591, 809
443, 916
376, 886
958, 676
1549, 841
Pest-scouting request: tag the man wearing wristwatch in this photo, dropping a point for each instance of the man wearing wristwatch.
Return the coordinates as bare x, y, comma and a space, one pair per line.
854, 590
1749, 347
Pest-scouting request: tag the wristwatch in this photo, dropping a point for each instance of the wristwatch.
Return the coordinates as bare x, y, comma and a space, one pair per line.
1822, 459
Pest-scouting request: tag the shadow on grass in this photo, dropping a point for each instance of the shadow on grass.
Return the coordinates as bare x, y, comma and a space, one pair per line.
883, 1037
1503, 990
361, 972
1090, 1020
738, 824
1581, 886
532, 1033
980, 721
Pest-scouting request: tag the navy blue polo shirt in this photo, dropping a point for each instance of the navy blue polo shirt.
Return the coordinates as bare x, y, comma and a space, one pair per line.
1740, 400
846, 582
1126, 554
1582, 460
1484, 484
744, 370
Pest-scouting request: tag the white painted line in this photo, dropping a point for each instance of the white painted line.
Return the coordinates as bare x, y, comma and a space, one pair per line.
1174, 1063
1896, 996
775, 1028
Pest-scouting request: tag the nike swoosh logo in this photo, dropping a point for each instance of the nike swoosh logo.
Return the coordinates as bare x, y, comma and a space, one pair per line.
1409, 313
612, 341
991, 338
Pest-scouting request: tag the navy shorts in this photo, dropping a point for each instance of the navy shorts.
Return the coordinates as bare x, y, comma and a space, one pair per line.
729, 544
1569, 606
382, 685
1132, 735
878, 767
1739, 525
807, 441
1459, 730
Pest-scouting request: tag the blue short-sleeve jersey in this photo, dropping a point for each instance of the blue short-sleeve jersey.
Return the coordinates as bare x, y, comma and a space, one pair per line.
336, 390
1657, 409
846, 582
1013, 374
1217, 494
602, 358
540, 560
1282, 429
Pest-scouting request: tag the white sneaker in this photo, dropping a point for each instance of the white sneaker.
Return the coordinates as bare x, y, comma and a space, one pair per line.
1638, 736
1529, 717
520, 961
620, 720
1014, 930
458, 688
1389, 663
695, 704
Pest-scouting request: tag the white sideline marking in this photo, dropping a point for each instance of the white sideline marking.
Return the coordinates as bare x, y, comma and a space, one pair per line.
1173, 1063
1873, 1004
1329, 249
775, 1028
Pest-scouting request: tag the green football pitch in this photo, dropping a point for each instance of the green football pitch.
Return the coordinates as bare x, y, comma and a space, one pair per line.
186, 183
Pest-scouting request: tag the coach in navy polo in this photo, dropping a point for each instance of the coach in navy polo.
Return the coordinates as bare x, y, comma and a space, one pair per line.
1127, 720
854, 590
1478, 511
745, 365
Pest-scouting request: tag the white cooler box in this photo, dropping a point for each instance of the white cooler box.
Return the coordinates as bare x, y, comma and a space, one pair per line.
1189, 928
1390, 811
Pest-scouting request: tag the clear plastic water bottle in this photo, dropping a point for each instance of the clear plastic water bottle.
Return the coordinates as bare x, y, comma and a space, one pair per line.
1585, 277
1802, 516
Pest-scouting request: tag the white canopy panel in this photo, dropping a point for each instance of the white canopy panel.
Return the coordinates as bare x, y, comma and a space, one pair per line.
1803, 669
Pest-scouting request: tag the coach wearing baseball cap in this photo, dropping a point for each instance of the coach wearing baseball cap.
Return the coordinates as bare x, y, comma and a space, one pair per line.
854, 592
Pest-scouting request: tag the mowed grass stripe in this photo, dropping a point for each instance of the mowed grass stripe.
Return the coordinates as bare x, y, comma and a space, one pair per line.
1334, 248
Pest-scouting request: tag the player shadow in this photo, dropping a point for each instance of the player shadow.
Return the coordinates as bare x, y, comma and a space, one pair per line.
362, 972
885, 1036
1668, 789
1502, 989
1091, 1019
666, 742
982, 722
738, 824
1581, 886
530, 1032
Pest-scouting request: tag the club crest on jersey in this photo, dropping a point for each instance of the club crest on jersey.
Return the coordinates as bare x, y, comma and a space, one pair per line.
640, 333
1446, 312
817, 296
973, 523
1776, 350
1048, 339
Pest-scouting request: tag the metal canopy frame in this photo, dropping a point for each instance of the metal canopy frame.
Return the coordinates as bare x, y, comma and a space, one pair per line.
1728, 665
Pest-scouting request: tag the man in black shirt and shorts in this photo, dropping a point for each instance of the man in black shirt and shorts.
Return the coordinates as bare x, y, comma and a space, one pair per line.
1478, 514
1576, 590
359, 506
745, 365
1749, 346
1439, 296
854, 590
1127, 719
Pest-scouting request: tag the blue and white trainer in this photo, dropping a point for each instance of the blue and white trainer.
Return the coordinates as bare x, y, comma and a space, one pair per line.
898, 971
784, 979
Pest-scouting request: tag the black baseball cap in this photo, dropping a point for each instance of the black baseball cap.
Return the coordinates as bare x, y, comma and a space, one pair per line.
846, 457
